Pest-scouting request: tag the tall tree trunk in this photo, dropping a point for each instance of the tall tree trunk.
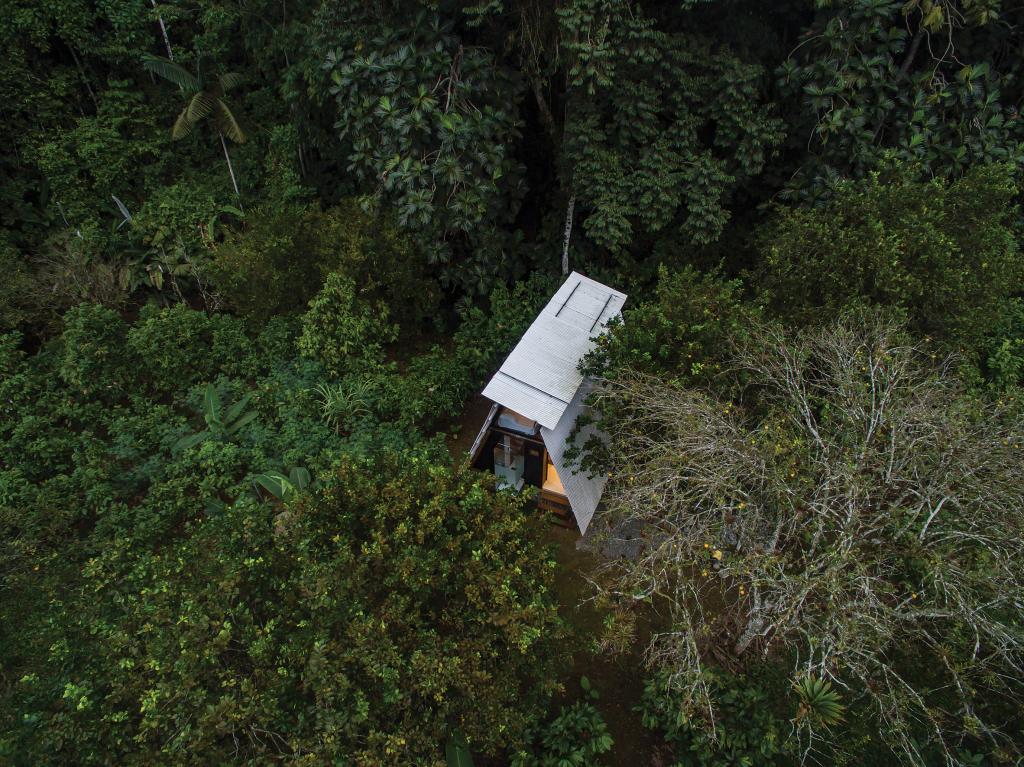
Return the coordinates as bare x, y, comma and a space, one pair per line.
231, 168
85, 77
568, 233
545, 111
556, 142
163, 31
911, 54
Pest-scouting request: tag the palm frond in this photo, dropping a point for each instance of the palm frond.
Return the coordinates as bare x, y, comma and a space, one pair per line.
229, 80
171, 72
125, 214
227, 123
182, 126
200, 106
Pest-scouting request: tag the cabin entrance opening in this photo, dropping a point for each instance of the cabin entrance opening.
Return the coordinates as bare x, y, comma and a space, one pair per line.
511, 446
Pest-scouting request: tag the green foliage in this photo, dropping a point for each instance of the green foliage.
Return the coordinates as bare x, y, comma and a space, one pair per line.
433, 387
114, 151
819, 703
684, 332
286, 252
178, 347
692, 130
221, 423
247, 622
1003, 353
205, 98
577, 737
746, 730
944, 253
176, 213
456, 752
95, 358
171, 599
168, 597
342, 404
428, 119
15, 289
342, 330
874, 82
438, 383
285, 488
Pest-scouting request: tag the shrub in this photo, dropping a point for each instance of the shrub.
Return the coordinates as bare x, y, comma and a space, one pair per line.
746, 730
15, 289
179, 346
402, 600
944, 253
830, 514
70, 270
1004, 354
94, 356
575, 738
282, 258
176, 213
685, 332
342, 330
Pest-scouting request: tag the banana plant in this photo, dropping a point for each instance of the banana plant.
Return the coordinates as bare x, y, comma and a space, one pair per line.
221, 424
282, 487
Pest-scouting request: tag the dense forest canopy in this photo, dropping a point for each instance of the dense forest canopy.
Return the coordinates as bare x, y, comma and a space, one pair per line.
260, 256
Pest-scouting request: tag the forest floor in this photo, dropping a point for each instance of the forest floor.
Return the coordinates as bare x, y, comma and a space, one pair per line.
619, 678
468, 426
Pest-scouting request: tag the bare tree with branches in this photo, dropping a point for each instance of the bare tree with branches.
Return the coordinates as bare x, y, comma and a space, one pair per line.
857, 510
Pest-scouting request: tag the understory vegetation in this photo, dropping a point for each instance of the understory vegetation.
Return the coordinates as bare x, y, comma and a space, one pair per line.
259, 258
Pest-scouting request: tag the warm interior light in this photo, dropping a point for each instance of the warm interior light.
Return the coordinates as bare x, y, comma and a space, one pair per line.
552, 481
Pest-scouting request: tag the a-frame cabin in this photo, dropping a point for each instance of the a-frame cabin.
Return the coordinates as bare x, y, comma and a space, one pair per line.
539, 392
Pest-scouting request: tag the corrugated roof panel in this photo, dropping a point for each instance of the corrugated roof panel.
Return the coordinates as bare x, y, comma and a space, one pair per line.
582, 491
540, 378
525, 400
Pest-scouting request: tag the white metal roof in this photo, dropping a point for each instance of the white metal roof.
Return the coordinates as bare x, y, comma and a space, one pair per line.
582, 491
540, 377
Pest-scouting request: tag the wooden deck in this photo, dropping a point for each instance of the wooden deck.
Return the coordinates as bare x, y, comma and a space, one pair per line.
558, 505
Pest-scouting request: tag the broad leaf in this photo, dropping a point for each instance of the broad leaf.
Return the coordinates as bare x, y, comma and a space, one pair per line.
299, 477
457, 752
275, 483
211, 404
229, 80
227, 124
236, 410
190, 441
168, 70
182, 126
245, 420
201, 105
